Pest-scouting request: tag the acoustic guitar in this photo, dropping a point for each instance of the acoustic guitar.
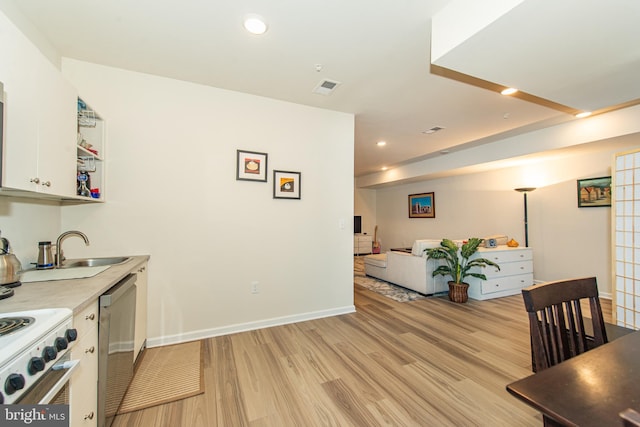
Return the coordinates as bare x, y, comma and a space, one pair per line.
376, 244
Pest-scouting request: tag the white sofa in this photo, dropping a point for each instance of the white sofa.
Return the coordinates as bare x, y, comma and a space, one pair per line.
410, 270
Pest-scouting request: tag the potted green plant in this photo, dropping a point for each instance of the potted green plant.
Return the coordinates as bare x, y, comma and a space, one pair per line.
458, 265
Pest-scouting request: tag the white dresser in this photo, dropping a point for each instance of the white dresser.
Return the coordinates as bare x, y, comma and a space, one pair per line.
362, 244
516, 272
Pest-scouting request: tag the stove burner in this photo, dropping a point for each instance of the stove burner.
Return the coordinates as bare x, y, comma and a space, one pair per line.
5, 292
12, 324
13, 284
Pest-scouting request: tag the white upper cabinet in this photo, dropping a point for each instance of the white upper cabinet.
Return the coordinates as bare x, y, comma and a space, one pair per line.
39, 154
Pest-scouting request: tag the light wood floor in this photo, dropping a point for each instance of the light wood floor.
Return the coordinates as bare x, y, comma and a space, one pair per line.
423, 363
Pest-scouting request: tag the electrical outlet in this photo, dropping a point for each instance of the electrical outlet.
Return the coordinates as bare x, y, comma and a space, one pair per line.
254, 288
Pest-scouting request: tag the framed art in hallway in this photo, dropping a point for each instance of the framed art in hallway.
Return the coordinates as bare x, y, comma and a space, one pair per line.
286, 185
422, 205
594, 192
251, 166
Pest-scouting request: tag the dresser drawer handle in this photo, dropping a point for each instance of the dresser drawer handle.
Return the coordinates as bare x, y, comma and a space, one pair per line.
89, 416
90, 349
91, 316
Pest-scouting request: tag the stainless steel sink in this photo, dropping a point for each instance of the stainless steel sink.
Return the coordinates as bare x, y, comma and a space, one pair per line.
95, 262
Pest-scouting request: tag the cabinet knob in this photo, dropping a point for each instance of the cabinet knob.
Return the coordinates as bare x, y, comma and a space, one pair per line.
35, 180
89, 416
47, 183
91, 316
90, 349
141, 269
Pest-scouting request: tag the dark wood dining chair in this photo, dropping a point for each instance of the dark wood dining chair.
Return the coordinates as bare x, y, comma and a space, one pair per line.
630, 418
556, 323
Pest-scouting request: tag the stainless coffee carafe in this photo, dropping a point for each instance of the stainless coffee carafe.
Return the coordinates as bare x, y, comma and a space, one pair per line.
45, 256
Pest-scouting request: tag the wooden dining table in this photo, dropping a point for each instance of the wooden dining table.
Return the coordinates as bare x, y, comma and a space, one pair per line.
587, 390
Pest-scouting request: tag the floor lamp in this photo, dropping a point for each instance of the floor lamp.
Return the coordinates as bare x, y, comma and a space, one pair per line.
526, 221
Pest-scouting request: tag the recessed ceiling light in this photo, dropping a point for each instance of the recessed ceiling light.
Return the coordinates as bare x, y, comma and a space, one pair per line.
583, 114
384, 168
509, 91
381, 143
255, 24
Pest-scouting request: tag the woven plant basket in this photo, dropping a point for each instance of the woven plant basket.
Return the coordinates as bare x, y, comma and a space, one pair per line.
458, 292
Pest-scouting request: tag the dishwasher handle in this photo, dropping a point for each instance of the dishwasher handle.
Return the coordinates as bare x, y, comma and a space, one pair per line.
119, 289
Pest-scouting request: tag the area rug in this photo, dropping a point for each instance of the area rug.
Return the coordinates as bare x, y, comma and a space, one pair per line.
165, 374
389, 290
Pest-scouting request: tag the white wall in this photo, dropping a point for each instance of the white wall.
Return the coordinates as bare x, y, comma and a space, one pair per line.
26, 222
567, 241
364, 205
171, 192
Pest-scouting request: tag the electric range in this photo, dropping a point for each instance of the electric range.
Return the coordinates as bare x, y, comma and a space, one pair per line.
32, 344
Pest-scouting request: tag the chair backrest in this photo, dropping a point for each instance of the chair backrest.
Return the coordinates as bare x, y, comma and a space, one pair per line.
630, 418
556, 323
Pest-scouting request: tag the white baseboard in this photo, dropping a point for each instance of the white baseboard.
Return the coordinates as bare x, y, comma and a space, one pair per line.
243, 327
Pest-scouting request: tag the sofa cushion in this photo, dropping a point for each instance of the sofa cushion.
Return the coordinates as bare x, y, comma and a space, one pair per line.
420, 245
379, 260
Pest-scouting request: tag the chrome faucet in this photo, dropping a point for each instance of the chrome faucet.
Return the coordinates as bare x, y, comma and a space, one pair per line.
59, 254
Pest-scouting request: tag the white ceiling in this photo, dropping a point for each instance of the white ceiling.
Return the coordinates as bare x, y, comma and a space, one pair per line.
379, 52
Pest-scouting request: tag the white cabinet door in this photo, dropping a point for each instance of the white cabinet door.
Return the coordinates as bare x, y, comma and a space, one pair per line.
57, 132
141, 310
18, 69
84, 383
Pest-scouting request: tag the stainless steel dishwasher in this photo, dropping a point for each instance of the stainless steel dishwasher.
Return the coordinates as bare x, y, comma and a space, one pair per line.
115, 344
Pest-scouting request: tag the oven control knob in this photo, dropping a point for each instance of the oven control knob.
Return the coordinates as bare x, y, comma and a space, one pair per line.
35, 365
49, 353
71, 334
14, 383
61, 343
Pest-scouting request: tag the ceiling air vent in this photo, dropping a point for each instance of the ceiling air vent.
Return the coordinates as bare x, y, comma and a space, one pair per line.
326, 87
432, 130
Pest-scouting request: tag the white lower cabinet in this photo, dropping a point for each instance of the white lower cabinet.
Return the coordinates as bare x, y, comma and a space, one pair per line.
140, 335
516, 272
83, 393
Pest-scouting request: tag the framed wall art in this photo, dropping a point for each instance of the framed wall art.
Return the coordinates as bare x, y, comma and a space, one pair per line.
422, 205
286, 185
594, 192
251, 166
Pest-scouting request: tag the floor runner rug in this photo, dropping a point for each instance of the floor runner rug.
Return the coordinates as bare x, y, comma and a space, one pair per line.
165, 374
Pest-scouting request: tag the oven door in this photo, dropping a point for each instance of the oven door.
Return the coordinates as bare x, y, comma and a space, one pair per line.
53, 386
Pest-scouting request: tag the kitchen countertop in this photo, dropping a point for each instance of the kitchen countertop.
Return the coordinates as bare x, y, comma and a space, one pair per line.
75, 294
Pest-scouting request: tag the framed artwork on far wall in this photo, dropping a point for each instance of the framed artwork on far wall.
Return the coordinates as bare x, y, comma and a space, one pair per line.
286, 185
251, 166
594, 192
422, 205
